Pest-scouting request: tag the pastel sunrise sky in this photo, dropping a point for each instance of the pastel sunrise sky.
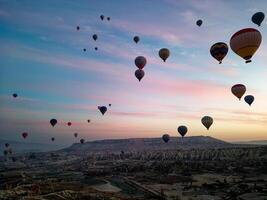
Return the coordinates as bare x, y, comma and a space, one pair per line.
42, 60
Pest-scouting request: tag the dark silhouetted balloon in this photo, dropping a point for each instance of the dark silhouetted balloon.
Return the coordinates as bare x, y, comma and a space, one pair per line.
219, 51
102, 17
88, 120
207, 121
69, 123
5, 152
257, 18
52, 139
166, 138
53, 122
245, 43
81, 141
102, 109
6, 145
139, 74
108, 18
136, 39
96, 48
75, 134
199, 22
84, 50
182, 130
140, 62
109, 105
238, 90
15, 95
249, 99
164, 54
95, 37
77, 28
24, 135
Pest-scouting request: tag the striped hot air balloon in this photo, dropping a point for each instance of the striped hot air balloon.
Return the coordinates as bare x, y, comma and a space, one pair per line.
245, 43
238, 90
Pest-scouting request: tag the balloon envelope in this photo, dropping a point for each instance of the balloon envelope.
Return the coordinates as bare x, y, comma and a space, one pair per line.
257, 18
136, 39
140, 62
164, 53
15, 95
102, 17
77, 28
245, 43
165, 138
95, 37
207, 121
81, 141
24, 135
238, 90
249, 99
75, 134
182, 130
219, 51
69, 123
102, 109
53, 139
199, 22
53, 122
139, 74
6, 145
88, 120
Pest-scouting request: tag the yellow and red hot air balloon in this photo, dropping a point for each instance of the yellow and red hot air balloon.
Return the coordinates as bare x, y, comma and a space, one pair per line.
245, 43
238, 90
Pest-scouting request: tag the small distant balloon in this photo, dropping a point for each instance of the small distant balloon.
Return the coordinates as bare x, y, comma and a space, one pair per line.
182, 130
257, 18
136, 39
6, 145
109, 105
139, 74
108, 18
199, 22
164, 53
102, 109
75, 134
165, 138
81, 141
52, 139
102, 17
219, 51
15, 95
84, 50
53, 122
249, 99
207, 121
69, 123
96, 48
140, 62
5, 152
24, 135
95, 37
77, 28
238, 90
88, 120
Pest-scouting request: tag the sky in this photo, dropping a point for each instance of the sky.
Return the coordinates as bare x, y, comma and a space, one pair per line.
42, 60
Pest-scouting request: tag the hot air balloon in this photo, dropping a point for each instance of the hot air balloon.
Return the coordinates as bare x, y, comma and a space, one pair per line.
69, 123
139, 74
102, 17
257, 18
53, 122
245, 43
249, 99
81, 141
52, 139
140, 62
207, 121
95, 37
96, 48
219, 51
84, 50
77, 28
238, 90
164, 53
75, 134
5, 152
166, 138
24, 135
109, 105
182, 130
15, 95
6, 145
88, 120
136, 39
102, 109
199, 22
108, 18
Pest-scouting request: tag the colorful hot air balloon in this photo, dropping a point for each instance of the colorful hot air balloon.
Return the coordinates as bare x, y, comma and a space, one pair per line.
165, 138
24, 135
52, 139
246, 42
102, 17
77, 28
102, 109
139, 74
15, 95
238, 90
207, 121
219, 51
249, 99
75, 134
164, 53
6, 145
182, 130
257, 18
140, 62
69, 123
199, 22
53, 122
95, 37
136, 39
81, 141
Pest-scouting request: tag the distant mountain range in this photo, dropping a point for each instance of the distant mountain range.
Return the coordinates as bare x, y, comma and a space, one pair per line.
147, 144
253, 142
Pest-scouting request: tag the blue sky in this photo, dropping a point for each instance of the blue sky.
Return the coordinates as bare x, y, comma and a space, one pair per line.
42, 60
